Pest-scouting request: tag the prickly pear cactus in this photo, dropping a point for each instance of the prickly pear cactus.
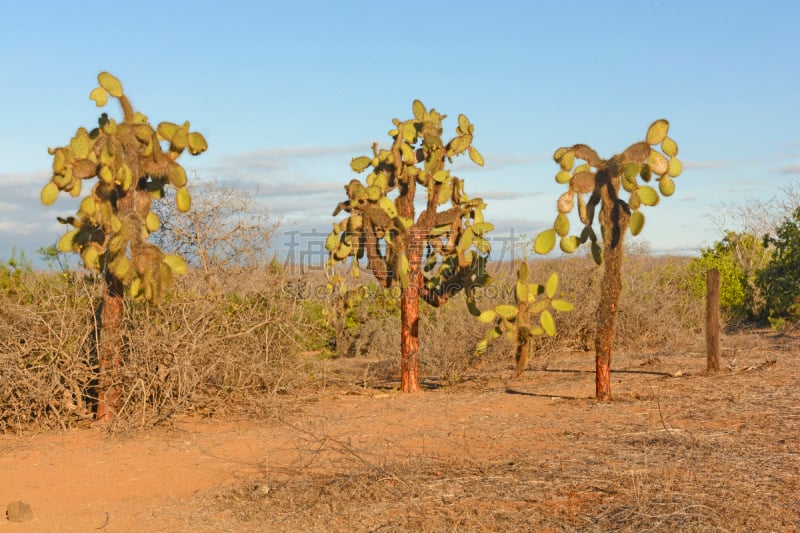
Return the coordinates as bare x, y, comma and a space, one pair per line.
133, 163
449, 237
635, 171
431, 257
645, 171
514, 320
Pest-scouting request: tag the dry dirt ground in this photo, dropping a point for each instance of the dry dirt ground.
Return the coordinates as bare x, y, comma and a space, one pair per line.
676, 450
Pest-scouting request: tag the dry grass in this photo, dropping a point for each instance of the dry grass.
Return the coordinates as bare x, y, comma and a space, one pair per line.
199, 352
722, 455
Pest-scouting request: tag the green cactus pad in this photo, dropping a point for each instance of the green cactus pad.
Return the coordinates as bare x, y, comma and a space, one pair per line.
563, 177
81, 144
631, 170
120, 267
562, 305
67, 241
91, 256
561, 225
49, 194
597, 253
167, 130
197, 143
547, 322
488, 316
634, 202
646, 173
567, 160
558, 154
628, 182
418, 108
99, 96
666, 186
110, 84
675, 167
669, 147
637, 222
522, 273
545, 242
506, 311
569, 244
648, 195
481, 228
358, 164
152, 222
657, 132
551, 286
176, 264
476, 156
183, 200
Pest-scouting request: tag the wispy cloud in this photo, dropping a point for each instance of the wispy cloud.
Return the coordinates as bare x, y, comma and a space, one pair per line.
25, 179
790, 170
705, 165
720, 164
277, 157
299, 191
507, 195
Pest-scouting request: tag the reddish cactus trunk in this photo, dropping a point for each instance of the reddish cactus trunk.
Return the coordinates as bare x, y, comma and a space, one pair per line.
409, 339
409, 313
615, 220
109, 350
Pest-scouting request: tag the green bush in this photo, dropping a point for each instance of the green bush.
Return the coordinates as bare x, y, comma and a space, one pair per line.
779, 282
736, 292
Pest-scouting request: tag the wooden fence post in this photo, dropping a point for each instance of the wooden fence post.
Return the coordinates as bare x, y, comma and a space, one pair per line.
712, 320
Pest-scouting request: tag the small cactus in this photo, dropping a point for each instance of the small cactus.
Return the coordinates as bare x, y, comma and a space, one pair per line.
514, 321
601, 182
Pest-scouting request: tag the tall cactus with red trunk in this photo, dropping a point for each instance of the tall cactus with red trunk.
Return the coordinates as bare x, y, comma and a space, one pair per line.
110, 230
432, 256
603, 180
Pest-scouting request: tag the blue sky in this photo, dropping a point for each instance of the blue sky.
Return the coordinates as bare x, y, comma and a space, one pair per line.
287, 93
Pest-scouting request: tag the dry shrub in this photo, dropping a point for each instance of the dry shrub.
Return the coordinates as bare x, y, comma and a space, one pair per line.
46, 338
207, 351
654, 312
199, 351
241, 342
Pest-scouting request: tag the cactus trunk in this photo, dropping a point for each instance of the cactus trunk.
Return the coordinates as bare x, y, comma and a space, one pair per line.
614, 220
109, 350
409, 315
523, 338
409, 338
